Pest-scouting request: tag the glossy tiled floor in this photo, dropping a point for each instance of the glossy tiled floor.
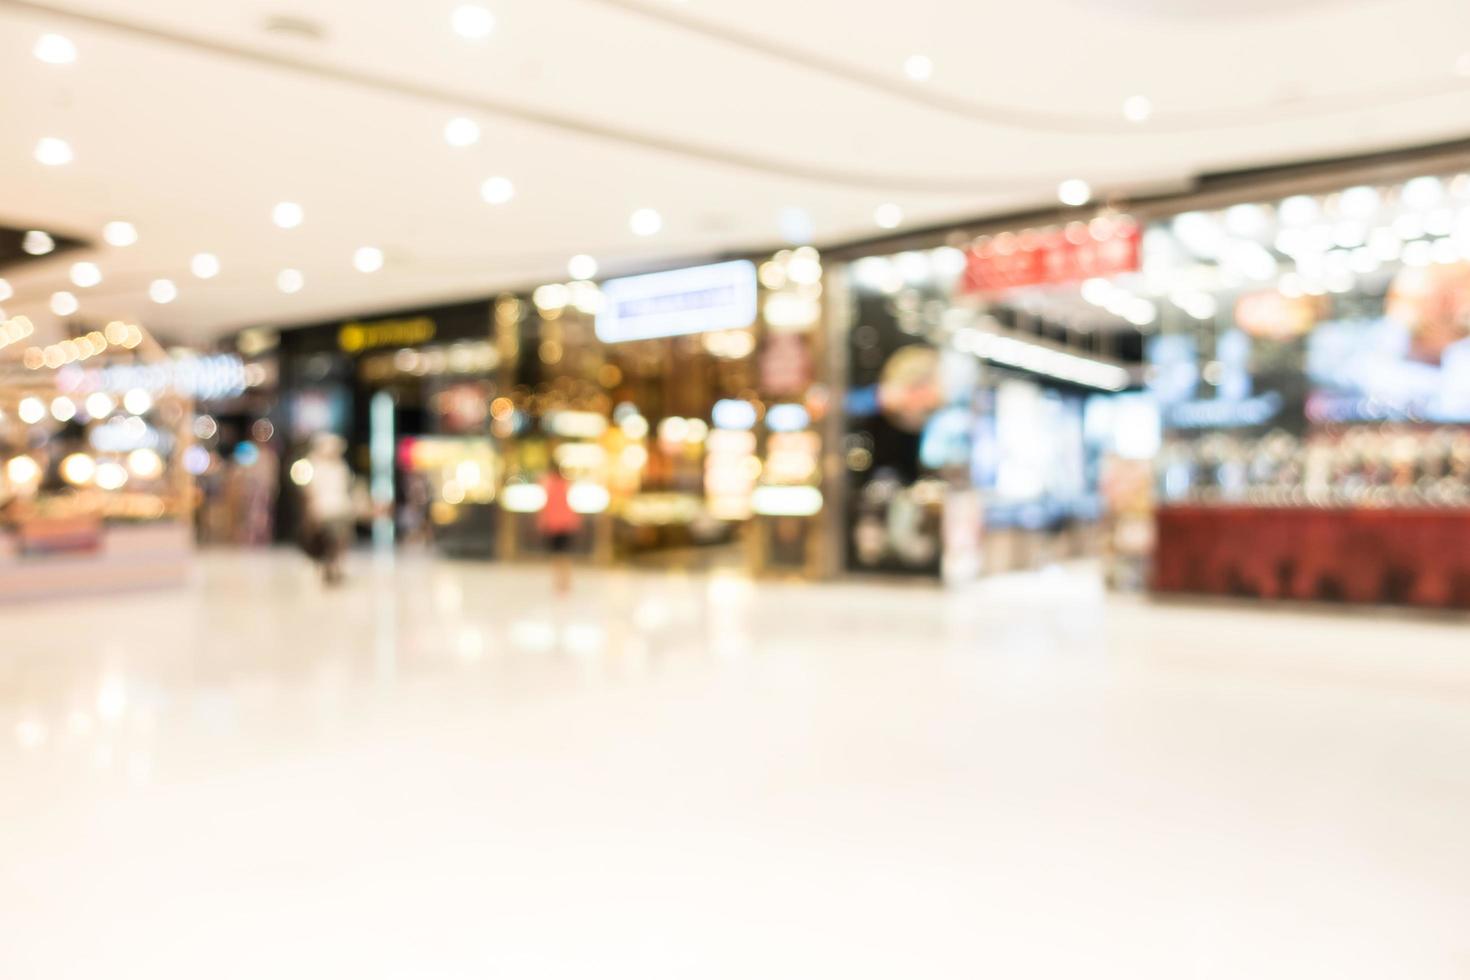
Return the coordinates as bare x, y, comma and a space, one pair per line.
439, 772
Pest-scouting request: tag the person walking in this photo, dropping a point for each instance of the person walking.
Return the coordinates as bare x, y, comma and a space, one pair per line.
558, 525
330, 515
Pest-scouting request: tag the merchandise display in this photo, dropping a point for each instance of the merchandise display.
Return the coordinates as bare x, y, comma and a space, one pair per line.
1314, 385
93, 430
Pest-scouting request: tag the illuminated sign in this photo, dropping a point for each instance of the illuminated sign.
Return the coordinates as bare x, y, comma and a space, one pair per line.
354, 337
684, 301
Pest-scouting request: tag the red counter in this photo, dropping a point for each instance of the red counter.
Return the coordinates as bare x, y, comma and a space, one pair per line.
1408, 557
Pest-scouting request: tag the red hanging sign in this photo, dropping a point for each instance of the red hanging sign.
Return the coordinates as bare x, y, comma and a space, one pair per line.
1105, 246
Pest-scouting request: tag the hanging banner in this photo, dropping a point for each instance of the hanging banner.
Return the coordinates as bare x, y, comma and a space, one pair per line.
1098, 249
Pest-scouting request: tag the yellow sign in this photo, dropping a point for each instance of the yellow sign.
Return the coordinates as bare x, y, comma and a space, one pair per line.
354, 337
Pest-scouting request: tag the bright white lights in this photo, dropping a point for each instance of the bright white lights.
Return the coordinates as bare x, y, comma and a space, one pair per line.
111, 476
119, 234
31, 410
137, 401
1074, 192
472, 21
645, 222
78, 469
302, 472
497, 190
461, 131
205, 265
163, 291
919, 67
582, 267
586, 497
63, 409
1137, 108
85, 274
1423, 193
37, 243
64, 303
290, 281
145, 464
55, 49
53, 151
99, 405
22, 470
1298, 210
288, 214
523, 498
888, 216
367, 259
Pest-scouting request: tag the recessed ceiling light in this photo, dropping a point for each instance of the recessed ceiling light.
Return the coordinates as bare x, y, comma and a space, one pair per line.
888, 216
64, 303
1462, 64
470, 20
85, 274
919, 67
5, 291
290, 281
1074, 193
497, 190
205, 265
367, 259
37, 243
461, 131
582, 267
120, 234
163, 291
55, 49
287, 214
645, 222
1137, 108
53, 152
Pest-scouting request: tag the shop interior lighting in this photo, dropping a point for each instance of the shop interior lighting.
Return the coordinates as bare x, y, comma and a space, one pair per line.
145, 464
582, 267
288, 214
290, 281
888, 216
523, 498
78, 469
497, 190
31, 410
85, 274
472, 21
788, 417
1039, 359
55, 49
64, 303
52, 151
63, 409
1137, 108
645, 222
37, 243
919, 67
1074, 192
205, 265
22, 471
586, 497
461, 131
119, 234
163, 291
6, 291
367, 259
777, 501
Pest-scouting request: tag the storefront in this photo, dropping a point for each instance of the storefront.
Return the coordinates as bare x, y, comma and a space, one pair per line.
1314, 384
1261, 388
982, 398
685, 406
96, 439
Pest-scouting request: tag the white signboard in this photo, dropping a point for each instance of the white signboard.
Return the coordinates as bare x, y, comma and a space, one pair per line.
682, 301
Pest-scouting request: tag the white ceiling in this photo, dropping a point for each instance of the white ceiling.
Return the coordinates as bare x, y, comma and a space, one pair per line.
191, 121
